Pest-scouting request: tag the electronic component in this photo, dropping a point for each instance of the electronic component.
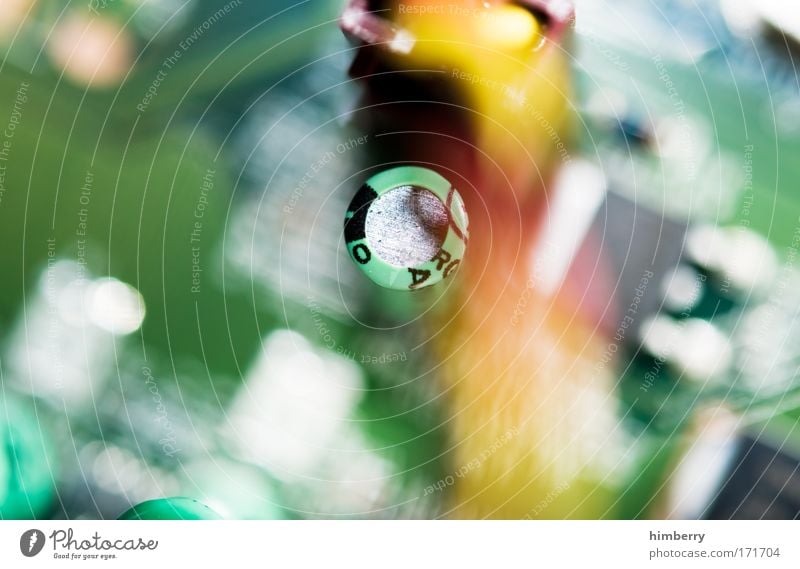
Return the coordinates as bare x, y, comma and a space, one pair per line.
731, 469
406, 228
776, 16
171, 509
763, 482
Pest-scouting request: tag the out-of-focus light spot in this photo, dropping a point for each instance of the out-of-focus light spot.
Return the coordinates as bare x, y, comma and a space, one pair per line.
71, 301
349, 18
295, 401
659, 336
116, 307
92, 50
683, 139
704, 465
705, 352
509, 27
123, 473
706, 246
767, 339
737, 255
683, 290
740, 15
62, 347
12, 15
402, 42
744, 16
357, 480
695, 348
750, 262
579, 193
116, 470
561, 8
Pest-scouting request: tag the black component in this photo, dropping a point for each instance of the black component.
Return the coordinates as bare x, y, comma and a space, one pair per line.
764, 483
356, 219
713, 298
634, 132
643, 248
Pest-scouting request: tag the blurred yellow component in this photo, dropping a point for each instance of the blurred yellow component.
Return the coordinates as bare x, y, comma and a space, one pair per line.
533, 427
496, 56
534, 430
12, 15
92, 50
509, 27
469, 33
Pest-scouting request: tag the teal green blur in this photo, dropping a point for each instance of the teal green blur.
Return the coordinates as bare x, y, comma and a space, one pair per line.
171, 509
27, 462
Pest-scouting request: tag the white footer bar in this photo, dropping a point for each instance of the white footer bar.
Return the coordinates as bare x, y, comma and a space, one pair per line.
399, 544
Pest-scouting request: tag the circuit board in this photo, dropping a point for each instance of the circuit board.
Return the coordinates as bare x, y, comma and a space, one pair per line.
180, 315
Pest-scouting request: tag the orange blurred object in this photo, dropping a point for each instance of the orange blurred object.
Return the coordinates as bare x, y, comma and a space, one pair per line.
92, 50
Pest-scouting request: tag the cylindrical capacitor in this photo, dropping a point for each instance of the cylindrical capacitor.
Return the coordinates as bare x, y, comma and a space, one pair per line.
406, 228
529, 403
